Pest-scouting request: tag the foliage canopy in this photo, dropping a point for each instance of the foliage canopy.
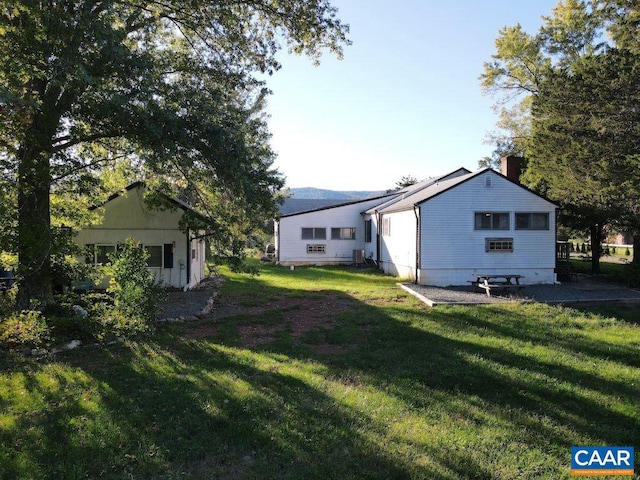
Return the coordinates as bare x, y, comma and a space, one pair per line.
167, 91
568, 100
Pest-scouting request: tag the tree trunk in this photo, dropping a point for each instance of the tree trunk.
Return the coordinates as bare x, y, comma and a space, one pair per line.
636, 248
596, 239
34, 226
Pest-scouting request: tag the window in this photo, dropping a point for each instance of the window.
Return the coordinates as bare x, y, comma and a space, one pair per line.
314, 233
103, 252
155, 255
367, 231
492, 221
343, 234
316, 248
532, 221
159, 255
498, 245
386, 227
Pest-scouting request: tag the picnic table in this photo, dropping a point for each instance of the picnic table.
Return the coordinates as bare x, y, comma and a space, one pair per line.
489, 281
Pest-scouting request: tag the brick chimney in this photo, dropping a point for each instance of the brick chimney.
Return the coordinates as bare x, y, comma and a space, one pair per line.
511, 167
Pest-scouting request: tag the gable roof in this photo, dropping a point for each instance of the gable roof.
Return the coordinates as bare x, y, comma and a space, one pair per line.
441, 186
412, 190
141, 184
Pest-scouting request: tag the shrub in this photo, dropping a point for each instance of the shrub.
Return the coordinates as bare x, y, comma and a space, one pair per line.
8, 300
114, 323
66, 323
27, 328
136, 295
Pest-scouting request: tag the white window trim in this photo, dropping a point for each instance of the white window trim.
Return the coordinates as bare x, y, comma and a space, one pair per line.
497, 245
341, 231
316, 249
475, 225
515, 222
313, 229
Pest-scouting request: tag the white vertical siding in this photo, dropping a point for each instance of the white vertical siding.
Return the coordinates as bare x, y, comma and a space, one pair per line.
398, 250
292, 249
452, 250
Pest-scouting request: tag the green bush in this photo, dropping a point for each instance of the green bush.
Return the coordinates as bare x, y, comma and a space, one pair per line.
8, 301
113, 323
136, 295
27, 328
67, 324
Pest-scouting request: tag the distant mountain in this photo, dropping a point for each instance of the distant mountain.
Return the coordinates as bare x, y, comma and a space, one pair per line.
319, 193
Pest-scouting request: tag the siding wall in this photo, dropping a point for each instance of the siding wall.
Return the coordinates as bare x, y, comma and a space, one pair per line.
452, 250
292, 249
371, 248
398, 250
126, 216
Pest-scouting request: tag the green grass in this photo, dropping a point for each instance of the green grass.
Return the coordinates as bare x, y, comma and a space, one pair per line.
500, 391
621, 273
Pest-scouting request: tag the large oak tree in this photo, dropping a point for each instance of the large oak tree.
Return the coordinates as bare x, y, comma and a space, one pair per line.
168, 85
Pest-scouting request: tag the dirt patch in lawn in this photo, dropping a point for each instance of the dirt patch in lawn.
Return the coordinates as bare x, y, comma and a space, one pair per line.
316, 312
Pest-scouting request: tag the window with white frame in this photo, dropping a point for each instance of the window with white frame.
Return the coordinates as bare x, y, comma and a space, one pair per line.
532, 221
498, 244
314, 233
316, 248
343, 233
386, 227
491, 221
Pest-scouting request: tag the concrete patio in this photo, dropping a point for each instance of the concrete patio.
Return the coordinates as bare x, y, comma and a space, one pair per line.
584, 290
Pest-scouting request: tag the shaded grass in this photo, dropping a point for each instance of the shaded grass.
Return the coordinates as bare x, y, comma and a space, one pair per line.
620, 273
497, 391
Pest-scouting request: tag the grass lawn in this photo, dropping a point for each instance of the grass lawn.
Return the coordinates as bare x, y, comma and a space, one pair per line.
331, 373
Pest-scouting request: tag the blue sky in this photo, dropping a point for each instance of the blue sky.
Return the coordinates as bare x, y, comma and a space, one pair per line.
405, 100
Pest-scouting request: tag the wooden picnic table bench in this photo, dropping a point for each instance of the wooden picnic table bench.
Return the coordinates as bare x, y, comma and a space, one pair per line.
497, 280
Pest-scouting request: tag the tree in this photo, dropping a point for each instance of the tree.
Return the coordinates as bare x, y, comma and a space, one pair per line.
582, 120
169, 87
521, 61
406, 181
512, 77
585, 141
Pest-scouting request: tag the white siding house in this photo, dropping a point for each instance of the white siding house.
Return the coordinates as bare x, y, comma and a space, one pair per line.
438, 232
176, 257
476, 223
324, 236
